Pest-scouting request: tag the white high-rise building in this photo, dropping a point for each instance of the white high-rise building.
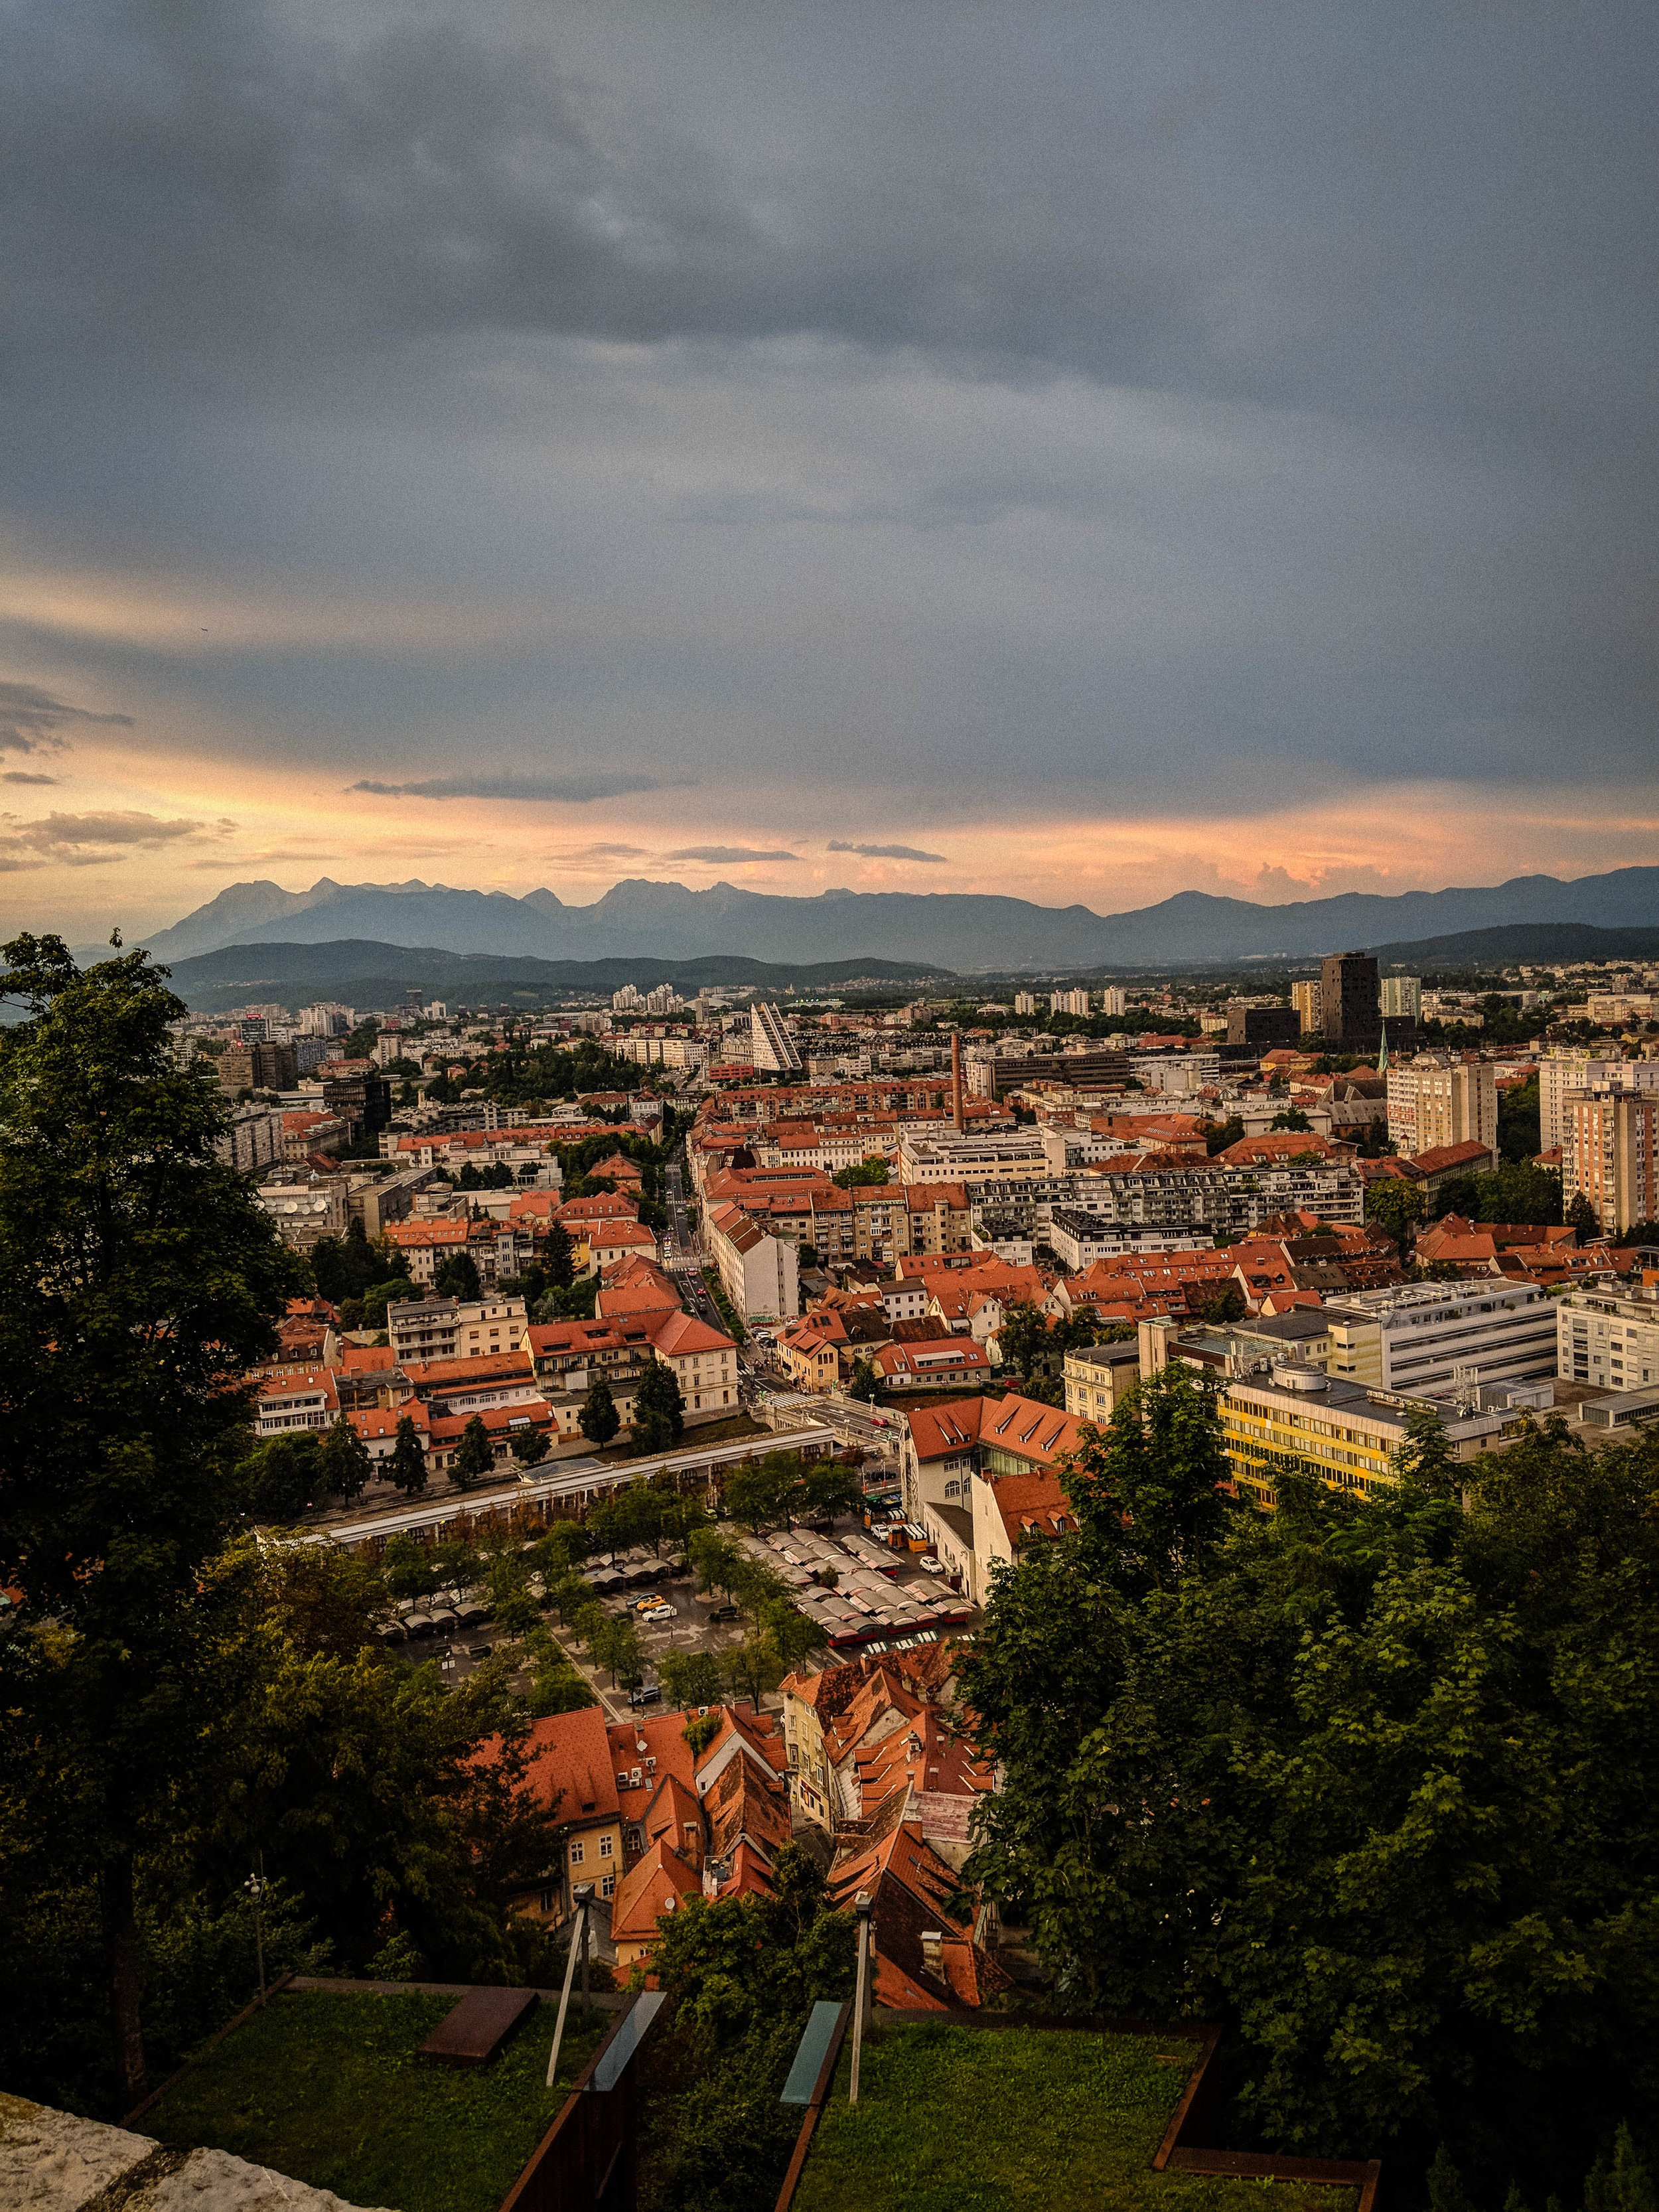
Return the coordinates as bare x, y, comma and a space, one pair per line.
1070, 1002
1558, 1072
1400, 996
1437, 1099
1115, 1000
775, 1052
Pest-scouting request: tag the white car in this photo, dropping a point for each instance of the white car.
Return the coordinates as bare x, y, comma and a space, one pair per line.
656, 1612
929, 1565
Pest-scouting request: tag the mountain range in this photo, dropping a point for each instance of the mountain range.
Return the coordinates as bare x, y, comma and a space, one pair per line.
963, 931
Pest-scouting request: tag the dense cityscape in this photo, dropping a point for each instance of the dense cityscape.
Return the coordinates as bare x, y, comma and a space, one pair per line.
829, 1107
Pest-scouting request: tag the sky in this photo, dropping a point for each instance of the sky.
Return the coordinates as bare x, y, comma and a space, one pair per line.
1078, 451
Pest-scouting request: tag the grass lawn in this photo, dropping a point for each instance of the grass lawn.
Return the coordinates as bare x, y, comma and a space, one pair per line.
953, 2119
329, 2090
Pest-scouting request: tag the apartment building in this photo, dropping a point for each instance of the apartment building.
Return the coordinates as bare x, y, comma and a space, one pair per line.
1264, 1027
773, 1048
941, 1158
1099, 1378
252, 1140
1079, 1239
1401, 998
1427, 1336
1440, 1098
1114, 1002
1304, 1001
760, 1272
453, 1328
1070, 1002
1608, 1338
306, 1208
1610, 1155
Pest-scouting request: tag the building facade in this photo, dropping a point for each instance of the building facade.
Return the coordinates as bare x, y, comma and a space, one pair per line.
1608, 1338
1610, 1156
1439, 1098
1432, 1336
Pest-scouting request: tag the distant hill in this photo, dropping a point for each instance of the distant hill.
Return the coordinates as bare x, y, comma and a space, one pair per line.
361, 973
960, 932
1521, 942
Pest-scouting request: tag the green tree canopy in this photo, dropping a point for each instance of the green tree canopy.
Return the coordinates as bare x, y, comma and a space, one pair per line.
598, 1419
475, 1455
458, 1278
406, 1470
1369, 1779
346, 1468
659, 1408
141, 1277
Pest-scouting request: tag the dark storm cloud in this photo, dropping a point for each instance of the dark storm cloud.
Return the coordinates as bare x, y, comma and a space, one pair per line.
882, 852
577, 787
1411, 207
1214, 407
30, 717
723, 856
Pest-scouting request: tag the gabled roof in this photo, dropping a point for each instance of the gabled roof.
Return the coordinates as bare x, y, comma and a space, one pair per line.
680, 1333
658, 1885
1032, 1432
568, 1764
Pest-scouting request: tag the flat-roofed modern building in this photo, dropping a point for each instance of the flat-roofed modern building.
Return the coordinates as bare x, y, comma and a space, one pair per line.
1428, 1336
1296, 1418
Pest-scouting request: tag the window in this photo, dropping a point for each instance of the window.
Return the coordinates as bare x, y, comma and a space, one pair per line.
607, 1847
608, 1885
578, 1852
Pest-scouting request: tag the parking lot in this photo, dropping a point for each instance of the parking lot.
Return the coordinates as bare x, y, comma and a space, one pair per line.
458, 1639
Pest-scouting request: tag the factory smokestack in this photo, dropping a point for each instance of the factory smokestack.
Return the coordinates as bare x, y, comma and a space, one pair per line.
956, 1079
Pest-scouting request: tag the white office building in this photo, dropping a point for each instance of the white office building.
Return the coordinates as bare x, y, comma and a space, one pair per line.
1430, 1336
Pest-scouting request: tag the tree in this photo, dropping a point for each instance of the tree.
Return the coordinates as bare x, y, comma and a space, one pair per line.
865, 1382
141, 1277
762, 1491
475, 1455
598, 1419
1581, 1216
753, 1666
1360, 1781
614, 1642
558, 1256
1149, 1484
869, 1174
1395, 1205
1220, 1134
1221, 1305
1024, 1338
283, 1477
829, 1487
345, 1467
529, 1447
659, 1408
690, 1678
407, 1469
1290, 1117
458, 1278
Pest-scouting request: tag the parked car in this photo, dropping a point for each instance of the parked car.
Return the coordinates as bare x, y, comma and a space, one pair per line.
723, 1612
930, 1565
661, 1612
649, 1693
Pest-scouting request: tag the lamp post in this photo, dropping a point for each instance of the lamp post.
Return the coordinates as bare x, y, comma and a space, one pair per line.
256, 1889
580, 1895
861, 1907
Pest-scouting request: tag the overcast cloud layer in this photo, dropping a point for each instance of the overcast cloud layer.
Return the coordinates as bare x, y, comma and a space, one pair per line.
1077, 451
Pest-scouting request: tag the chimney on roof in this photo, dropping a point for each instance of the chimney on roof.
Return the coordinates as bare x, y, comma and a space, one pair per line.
956, 1079
933, 1951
